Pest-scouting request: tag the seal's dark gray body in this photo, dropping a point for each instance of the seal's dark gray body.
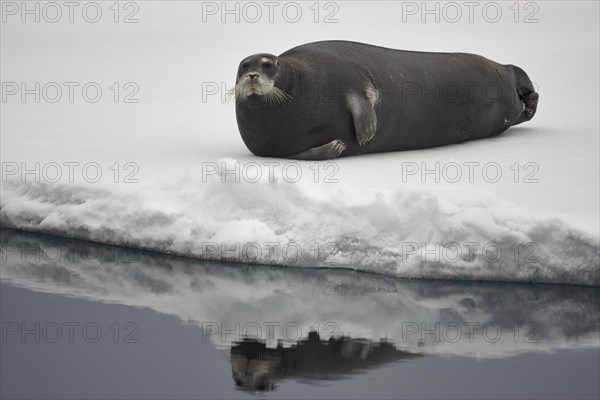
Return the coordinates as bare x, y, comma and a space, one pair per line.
348, 98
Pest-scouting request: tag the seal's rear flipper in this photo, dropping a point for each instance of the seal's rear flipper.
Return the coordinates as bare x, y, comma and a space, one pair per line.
327, 151
527, 94
530, 103
364, 117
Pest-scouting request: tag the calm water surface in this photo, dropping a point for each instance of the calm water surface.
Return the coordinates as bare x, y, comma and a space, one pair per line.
80, 320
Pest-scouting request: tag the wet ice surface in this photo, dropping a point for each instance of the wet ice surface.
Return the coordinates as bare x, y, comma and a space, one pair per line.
410, 233
201, 329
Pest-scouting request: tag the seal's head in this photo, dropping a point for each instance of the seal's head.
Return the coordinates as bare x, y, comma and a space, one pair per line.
257, 79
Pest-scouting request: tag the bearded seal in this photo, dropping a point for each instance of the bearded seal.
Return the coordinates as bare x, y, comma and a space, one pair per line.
329, 99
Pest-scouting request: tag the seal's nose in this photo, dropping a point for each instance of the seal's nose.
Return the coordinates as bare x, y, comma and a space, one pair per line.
252, 75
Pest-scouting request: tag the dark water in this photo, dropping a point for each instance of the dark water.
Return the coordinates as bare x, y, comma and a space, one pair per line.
86, 321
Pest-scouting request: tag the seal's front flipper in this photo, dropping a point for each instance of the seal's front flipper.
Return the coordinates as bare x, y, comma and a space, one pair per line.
364, 117
325, 152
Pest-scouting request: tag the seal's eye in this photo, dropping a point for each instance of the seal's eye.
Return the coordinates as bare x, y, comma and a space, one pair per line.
245, 65
277, 62
267, 64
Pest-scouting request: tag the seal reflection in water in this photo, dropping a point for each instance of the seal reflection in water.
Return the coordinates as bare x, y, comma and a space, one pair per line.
255, 367
329, 99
